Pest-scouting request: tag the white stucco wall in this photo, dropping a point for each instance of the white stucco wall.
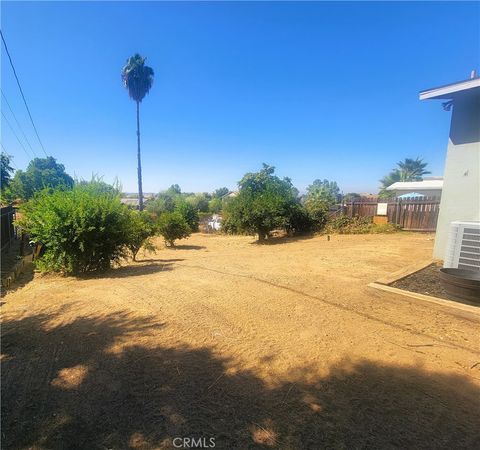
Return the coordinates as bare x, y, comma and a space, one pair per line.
461, 184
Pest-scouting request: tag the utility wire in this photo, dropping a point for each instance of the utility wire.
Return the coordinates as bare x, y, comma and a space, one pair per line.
18, 124
15, 134
21, 92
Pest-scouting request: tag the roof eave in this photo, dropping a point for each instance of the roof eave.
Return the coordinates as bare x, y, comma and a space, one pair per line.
449, 91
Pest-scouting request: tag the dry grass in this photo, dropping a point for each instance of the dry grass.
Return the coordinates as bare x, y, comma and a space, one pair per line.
259, 346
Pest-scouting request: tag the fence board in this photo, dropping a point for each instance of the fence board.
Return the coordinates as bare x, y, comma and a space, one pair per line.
414, 214
7, 216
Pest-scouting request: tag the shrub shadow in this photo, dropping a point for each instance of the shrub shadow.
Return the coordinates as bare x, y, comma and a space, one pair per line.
154, 260
62, 388
276, 240
187, 247
138, 270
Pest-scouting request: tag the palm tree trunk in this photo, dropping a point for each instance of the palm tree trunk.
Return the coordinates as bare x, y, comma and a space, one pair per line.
139, 168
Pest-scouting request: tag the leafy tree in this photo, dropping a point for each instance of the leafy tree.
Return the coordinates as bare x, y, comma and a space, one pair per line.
138, 80
300, 220
325, 191
215, 205
317, 209
6, 170
199, 201
220, 192
264, 202
173, 226
163, 202
188, 212
351, 196
41, 173
82, 229
140, 230
407, 170
174, 190
6, 177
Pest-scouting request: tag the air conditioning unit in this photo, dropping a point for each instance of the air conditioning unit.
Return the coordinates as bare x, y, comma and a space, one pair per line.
463, 248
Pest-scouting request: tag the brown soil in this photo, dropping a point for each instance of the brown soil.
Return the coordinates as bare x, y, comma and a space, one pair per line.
425, 281
280, 345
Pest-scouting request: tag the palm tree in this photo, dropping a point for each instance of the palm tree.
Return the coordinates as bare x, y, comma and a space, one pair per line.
388, 180
412, 169
138, 79
408, 170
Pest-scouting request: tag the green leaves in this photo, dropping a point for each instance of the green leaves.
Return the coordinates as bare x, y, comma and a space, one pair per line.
264, 202
41, 173
139, 231
82, 229
173, 226
408, 170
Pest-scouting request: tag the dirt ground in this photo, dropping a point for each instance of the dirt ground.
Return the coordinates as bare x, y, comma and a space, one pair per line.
425, 281
280, 345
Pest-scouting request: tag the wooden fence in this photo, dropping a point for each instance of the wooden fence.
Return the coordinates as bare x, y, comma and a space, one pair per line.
7, 216
414, 214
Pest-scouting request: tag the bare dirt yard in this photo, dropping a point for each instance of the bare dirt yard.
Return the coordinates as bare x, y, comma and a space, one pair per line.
257, 346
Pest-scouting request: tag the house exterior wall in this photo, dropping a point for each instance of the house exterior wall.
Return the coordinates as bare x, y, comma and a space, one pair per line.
461, 184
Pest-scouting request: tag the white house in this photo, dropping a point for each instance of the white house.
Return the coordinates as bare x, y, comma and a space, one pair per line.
428, 187
461, 182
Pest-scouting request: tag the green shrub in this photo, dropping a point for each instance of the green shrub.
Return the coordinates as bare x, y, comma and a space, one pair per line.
299, 220
357, 225
173, 226
188, 212
82, 229
264, 203
140, 230
229, 225
215, 205
317, 209
199, 201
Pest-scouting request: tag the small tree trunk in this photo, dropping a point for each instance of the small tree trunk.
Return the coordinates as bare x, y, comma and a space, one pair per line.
139, 162
261, 235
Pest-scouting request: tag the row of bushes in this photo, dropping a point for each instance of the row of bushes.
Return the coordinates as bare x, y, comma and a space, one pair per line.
86, 228
357, 225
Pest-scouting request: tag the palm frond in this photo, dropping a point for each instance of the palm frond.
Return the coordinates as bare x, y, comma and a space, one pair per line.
137, 77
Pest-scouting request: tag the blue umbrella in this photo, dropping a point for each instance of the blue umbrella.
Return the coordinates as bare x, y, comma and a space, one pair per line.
411, 195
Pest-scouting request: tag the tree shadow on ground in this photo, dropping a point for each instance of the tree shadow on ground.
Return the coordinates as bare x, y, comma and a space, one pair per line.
284, 239
187, 247
132, 270
63, 387
154, 260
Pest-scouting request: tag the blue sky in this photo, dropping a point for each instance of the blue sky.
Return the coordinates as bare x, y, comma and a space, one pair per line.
319, 90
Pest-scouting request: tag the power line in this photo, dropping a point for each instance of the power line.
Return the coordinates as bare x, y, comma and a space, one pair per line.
15, 134
21, 92
18, 124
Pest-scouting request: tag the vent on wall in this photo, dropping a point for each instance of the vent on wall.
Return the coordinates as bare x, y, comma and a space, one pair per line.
463, 249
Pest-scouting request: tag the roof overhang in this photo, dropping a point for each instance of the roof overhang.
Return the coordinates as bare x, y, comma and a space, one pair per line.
450, 91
